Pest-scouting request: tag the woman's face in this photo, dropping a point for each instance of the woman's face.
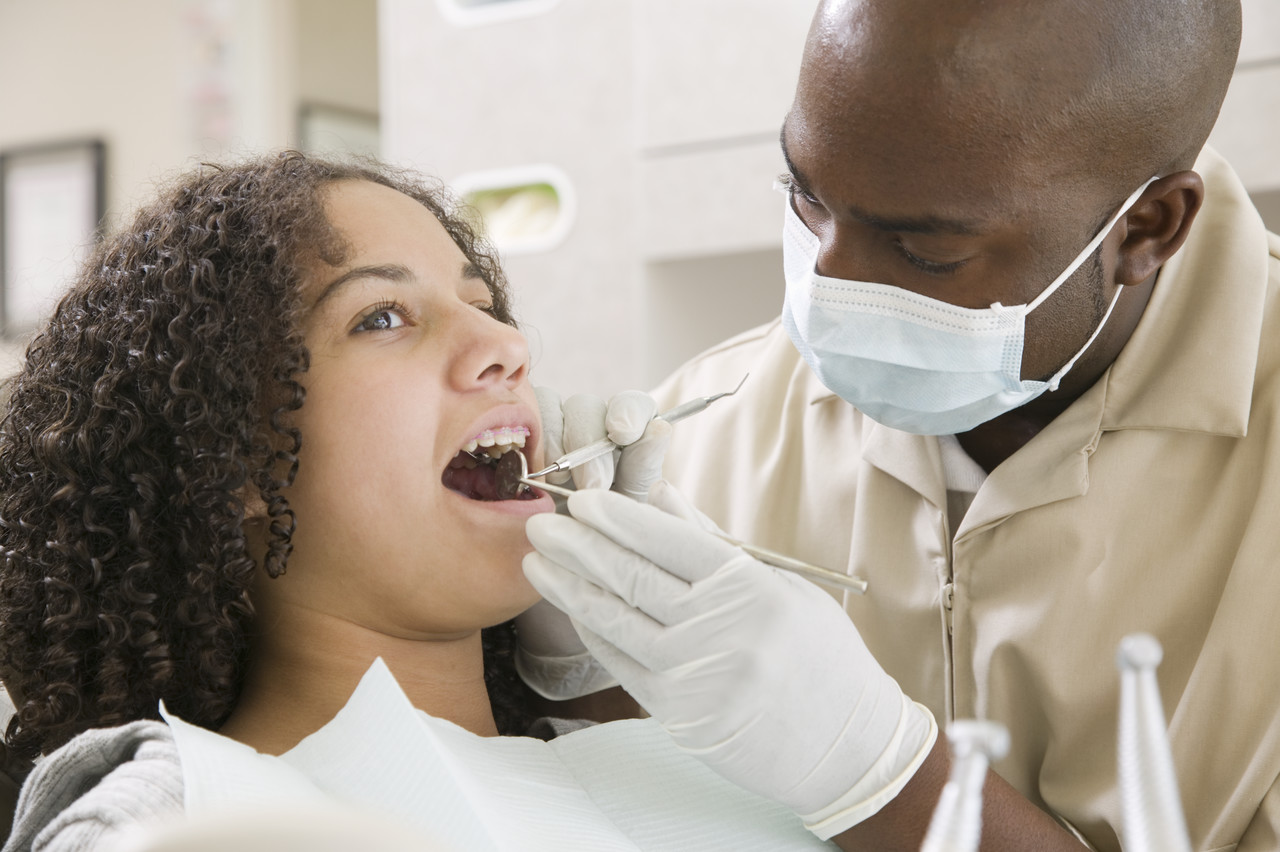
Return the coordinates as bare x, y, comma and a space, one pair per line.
408, 367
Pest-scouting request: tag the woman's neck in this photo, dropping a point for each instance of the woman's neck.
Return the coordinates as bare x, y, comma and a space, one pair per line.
305, 665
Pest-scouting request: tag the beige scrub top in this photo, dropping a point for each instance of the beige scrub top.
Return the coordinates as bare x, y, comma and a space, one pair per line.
1151, 504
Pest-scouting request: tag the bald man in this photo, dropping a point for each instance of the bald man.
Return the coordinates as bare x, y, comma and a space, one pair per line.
1026, 383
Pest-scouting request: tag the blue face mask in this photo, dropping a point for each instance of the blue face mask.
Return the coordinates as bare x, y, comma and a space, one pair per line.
908, 361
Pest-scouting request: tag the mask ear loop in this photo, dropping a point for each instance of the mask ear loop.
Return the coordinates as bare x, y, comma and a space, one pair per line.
1091, 247
1056, 378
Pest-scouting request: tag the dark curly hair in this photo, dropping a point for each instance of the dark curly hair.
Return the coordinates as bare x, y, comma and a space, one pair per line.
151, 408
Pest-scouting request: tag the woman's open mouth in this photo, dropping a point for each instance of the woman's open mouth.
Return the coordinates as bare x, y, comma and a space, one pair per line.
489, 468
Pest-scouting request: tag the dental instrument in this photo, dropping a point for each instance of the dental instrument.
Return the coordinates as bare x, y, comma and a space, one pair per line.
1150, 807
596, 449
956, 825
816, 573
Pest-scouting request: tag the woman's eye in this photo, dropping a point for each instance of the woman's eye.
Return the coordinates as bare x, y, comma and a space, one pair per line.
382, 318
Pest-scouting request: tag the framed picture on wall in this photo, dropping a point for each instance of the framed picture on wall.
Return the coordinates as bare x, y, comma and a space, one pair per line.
52, 199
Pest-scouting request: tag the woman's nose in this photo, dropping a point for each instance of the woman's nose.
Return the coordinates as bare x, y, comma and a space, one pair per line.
489, 352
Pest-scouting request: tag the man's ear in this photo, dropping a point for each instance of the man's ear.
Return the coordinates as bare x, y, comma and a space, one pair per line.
1158, 225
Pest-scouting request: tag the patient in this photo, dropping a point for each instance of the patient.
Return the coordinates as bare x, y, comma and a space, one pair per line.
254, 451
234, 469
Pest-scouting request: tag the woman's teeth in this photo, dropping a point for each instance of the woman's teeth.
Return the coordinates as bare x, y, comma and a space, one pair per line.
495, 442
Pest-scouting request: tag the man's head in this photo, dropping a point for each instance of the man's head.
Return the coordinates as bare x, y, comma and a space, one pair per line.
969, 150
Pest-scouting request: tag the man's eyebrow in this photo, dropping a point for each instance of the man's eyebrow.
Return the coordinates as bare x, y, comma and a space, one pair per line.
796, 175
393, 272
928, 225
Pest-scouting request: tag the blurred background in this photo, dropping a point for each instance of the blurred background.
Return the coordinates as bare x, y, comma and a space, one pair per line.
622, 151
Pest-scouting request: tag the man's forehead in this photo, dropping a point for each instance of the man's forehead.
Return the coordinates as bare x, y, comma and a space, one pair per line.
904, 220
907, 183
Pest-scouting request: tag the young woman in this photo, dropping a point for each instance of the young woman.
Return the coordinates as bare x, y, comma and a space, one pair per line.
235, 467
254, 452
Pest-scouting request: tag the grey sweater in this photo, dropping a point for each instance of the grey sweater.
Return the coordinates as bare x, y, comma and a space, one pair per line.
101, 785
98, 786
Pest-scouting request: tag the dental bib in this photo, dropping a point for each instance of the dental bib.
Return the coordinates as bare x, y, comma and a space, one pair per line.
916, 364
615, 786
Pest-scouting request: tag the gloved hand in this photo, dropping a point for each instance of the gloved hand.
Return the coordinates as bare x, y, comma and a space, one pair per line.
758, 673
550, 657
626, 419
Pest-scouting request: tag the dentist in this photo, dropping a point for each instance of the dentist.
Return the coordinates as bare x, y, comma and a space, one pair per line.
1025, 382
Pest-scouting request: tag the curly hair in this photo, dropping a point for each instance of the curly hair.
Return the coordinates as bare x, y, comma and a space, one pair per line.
150, 409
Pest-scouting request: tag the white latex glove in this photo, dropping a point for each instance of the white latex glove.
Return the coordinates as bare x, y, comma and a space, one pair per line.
550, 657
626, 419
758, 673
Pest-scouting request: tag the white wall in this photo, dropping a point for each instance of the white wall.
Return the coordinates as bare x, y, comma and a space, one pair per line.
337, 45
168, 83
666, 125
665, 115
664, 118
164, 83
1248, 129
550, 88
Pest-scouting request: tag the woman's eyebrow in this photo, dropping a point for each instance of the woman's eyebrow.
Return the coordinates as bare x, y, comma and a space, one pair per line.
393, 272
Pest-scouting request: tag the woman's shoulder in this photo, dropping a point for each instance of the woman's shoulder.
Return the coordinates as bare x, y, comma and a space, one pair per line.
102, 782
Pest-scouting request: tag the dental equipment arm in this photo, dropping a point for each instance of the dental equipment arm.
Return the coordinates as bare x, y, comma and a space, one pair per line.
956, 825
1151, 809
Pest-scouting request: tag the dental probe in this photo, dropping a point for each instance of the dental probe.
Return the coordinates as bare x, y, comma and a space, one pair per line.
813, 572
596, 449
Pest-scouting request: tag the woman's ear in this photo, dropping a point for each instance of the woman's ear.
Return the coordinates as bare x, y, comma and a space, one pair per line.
1157, 225
255, 508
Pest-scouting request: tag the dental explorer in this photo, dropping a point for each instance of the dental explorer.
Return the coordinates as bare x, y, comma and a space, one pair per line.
596, 449
816, 573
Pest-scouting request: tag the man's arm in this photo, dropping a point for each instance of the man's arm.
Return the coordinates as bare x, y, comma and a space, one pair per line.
1009, 821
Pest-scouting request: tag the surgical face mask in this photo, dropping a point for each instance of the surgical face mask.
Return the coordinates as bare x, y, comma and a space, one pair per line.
908, 361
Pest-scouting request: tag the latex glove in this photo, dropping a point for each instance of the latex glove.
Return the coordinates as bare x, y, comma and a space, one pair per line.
626, 419
758, 673
550, 657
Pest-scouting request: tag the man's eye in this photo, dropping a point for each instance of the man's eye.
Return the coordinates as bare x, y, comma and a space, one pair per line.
787, 184
382, 318
930, 266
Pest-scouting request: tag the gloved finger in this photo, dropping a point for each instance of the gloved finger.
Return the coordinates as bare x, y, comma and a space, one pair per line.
584, 416
637, 679
668, 498
577, 549
552, 415
599, 610
627, 415
625, 637
544, 630
679, 546
640, 465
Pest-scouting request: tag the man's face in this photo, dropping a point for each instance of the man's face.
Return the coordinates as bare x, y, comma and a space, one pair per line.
909, 180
